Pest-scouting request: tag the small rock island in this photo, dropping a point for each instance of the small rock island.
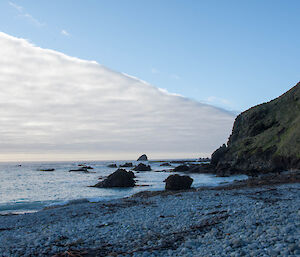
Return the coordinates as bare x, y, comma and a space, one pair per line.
143, 158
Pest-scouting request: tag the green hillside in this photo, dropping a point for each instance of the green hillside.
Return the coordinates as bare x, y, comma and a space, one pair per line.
264, 138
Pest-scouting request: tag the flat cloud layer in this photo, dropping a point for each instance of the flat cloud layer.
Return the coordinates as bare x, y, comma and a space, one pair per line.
53, 106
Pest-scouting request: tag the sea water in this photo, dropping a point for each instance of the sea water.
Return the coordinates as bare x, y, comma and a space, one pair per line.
24, 188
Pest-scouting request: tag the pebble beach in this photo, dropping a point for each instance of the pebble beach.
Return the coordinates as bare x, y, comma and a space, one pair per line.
247, 221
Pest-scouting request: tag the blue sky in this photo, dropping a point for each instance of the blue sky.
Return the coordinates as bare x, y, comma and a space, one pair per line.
233, 54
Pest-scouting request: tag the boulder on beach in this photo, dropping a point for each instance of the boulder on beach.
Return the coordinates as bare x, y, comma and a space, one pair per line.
142, 167
143, 158
177, 182
113, 165
120, 178
127, 165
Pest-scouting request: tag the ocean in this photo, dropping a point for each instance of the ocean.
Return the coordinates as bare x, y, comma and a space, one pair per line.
24, 188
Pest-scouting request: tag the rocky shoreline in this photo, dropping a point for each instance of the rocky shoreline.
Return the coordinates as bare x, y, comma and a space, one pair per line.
257, 217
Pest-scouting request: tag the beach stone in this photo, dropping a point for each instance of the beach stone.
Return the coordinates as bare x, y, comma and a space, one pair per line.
142, 167
177, 182
237, 243
143, 158
297, 252
120, 178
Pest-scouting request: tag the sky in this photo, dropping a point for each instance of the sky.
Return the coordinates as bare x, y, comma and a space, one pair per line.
232, 54
115, 79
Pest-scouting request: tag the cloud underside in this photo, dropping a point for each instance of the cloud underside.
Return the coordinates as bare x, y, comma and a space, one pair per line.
52, 104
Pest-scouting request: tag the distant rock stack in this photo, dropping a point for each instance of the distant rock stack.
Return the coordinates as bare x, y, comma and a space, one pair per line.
143, 158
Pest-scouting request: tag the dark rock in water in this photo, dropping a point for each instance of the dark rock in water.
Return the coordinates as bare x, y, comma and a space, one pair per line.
120, 178
112, 165
131, 174
127, 165
265, 138
165, 164
181, 168
142, 167
177, 182
164, 171
47, 170
204, 160
82, 169
201, 168
143, 158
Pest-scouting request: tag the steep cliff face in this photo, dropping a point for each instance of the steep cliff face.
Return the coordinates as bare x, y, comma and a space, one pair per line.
265, 138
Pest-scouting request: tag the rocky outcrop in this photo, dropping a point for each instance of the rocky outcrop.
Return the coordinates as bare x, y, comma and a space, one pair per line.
265, 138
177, 182
142, 167
120, 178
143, 158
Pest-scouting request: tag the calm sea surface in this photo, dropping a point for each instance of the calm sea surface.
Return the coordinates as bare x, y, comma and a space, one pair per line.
24, 188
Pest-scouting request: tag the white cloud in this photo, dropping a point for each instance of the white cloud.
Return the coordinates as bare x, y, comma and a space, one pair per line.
165, 91
32, 20
65, 33
26, 15
56, 106
17, 7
